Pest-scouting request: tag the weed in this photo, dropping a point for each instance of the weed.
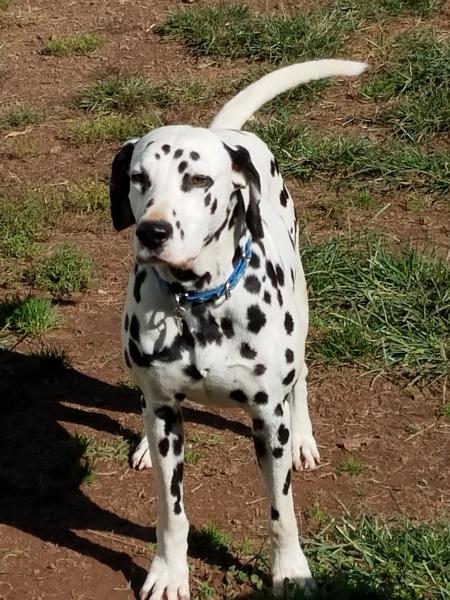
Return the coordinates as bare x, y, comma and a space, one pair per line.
415, 203
205, 590
361, 198
5, 4
112, 128
89, 197
415, 76
377, 302
352, 466
122, 93
32, 316
375, 9
20, 116
191, 457
68, 270
211, 539
78, 44
231, 31
302, 154
119, 450
446, 410
319, 514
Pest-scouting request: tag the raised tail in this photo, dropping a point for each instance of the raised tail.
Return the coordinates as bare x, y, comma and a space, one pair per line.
240, 108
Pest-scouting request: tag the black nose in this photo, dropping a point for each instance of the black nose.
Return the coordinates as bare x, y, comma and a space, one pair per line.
153, 234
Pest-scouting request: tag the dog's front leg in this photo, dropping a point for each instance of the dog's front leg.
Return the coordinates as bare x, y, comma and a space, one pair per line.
168, 577
271, 436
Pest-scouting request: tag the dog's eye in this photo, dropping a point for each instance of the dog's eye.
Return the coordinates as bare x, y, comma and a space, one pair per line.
140, 178
201, 180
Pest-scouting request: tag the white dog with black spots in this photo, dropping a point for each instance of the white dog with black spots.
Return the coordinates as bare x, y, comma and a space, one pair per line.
217, 310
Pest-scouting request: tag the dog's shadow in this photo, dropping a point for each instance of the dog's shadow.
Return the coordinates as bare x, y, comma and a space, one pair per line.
42, 465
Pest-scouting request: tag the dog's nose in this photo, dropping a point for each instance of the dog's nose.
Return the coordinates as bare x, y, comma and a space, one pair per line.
153, 234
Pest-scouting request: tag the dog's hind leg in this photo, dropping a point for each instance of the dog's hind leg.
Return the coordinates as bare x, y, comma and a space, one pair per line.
271, 435
305, 454
168, 577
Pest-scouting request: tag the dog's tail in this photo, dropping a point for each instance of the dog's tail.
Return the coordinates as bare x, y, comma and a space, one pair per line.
240, 108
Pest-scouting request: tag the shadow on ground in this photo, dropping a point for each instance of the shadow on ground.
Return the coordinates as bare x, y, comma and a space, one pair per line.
41, 465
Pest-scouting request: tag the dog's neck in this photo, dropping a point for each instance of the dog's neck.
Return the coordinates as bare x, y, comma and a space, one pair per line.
216, 262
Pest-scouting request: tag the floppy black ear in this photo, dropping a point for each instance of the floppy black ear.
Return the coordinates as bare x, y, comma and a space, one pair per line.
119, 187
243, 165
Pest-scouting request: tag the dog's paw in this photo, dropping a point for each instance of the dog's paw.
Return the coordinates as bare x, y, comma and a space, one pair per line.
289, 566
141, 456
305, 454
166, 581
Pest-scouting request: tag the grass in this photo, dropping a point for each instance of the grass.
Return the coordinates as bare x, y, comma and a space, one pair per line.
112, 128
5, 4
369, 306
415, 79
89, 197
303, 154
31, 317
231, 31
353, 466
20, 116
376, 9
211, 539
79, 44
446, 410
118, 450
50, 361
66, 271
132, 93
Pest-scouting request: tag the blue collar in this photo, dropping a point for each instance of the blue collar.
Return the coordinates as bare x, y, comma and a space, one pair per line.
217, 292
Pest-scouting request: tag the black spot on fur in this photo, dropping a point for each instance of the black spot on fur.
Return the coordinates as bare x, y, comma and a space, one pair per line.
252, 284
164, 446
157, 156
283, 434
288, 323
207, 199
178, 224
292, 276
186, 184
280, 275
247, 351
274, 514
267, 299
182, 166
283, 197
255, 263
261, 398
127, 359
194, 155
140, 359
175, 487
238, 396
180, 397
192, 372
272, 274
178, 153
178, 445
279, 298
258, 424
287, 483
259, 369
272, 167
169, 416
289, 355
278, 410
138, 281
214, 206
289, 377
227, 327
256, 318
277, 452
127, 322
166, 148
134, 328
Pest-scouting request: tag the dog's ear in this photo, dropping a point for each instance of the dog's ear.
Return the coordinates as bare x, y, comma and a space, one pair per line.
119, 187
245, 173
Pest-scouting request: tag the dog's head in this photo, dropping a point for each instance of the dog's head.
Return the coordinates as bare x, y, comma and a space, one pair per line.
176, 184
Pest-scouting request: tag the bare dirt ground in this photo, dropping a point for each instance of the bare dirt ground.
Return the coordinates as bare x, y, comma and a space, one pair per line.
92, 542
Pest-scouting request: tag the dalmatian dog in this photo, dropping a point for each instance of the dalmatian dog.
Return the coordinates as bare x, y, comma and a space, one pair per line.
217, 310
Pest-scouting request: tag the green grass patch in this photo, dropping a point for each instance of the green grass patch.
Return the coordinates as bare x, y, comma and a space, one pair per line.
5, 4
78, 44
446, 410
112, 128
415, 79
379, 307
66, 271
89, 197
20, 116
231, 31
347, 160
210, 539
117, 450
352, 466
32, 316
376, 9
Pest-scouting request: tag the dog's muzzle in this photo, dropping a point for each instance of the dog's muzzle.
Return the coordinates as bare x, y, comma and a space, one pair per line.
154, 234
